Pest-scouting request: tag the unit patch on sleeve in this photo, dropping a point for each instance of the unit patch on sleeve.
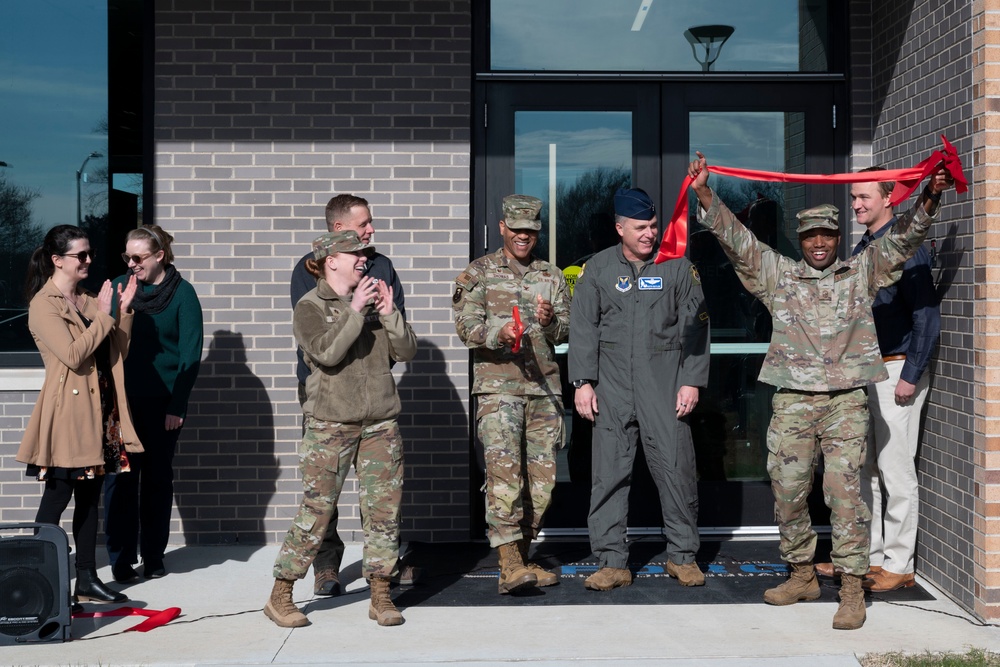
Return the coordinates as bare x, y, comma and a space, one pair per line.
465, 281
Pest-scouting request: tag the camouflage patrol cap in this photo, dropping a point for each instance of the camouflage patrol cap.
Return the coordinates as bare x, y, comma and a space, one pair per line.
824, 216
346, 240
522, 212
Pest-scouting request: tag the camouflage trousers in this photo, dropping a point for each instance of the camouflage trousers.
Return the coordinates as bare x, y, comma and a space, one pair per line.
327, 452
520, 436
804, 427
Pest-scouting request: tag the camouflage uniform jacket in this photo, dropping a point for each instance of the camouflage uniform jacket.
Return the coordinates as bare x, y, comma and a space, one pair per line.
348, 356
824, 334
485, 296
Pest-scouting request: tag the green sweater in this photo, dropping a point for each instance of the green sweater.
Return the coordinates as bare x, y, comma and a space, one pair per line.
165, 352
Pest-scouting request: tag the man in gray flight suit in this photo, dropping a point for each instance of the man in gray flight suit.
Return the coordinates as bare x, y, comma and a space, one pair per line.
639, 342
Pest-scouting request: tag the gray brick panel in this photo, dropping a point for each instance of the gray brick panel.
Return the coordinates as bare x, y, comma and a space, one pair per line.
262, 114
911, 81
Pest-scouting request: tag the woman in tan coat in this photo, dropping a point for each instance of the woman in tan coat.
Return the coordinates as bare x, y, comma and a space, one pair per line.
81, 424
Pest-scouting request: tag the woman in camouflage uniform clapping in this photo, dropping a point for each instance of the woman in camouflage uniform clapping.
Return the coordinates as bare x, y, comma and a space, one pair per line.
348, 329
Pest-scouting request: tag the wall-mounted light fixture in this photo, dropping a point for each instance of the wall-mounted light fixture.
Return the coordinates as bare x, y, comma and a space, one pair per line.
710, 38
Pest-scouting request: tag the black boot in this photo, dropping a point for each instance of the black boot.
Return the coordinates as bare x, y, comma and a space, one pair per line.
90, 588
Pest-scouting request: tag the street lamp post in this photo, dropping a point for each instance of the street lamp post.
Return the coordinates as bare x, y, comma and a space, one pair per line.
79, 175
709, 37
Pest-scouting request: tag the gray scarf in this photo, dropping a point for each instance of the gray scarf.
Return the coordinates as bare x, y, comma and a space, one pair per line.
159, 298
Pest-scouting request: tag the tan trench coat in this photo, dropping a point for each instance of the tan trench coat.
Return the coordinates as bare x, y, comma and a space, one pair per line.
65, 429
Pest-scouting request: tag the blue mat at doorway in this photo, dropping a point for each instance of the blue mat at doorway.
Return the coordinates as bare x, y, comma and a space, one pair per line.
736, 572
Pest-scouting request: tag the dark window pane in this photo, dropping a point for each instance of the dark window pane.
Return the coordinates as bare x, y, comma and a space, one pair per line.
54, 113
649, 35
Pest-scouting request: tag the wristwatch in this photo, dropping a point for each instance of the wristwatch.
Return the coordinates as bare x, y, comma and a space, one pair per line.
579, 383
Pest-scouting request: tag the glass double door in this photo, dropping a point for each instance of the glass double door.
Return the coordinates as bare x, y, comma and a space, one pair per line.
572, 145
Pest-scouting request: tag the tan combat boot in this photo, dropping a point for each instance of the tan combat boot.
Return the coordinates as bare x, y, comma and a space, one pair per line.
800, 585
851, 613
543, 576
281, 609
381, 608
688, 574
607, 578
513, 574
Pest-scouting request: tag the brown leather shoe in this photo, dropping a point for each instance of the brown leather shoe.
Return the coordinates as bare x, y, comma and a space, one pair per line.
688, 574
826, 570
607, 578
884, 581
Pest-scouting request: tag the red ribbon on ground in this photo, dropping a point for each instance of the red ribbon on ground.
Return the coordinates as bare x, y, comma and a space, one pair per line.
155, 618
518, 330
674, 242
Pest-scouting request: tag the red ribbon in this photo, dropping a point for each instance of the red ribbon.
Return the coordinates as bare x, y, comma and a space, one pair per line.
674, 242
155, 620
518, 330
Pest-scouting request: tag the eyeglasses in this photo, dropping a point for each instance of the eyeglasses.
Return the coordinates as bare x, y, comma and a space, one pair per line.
82, 256
138, 259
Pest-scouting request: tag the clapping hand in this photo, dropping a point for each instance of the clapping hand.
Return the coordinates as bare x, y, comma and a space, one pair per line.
364, 293
127, 294
105, 298
383, 298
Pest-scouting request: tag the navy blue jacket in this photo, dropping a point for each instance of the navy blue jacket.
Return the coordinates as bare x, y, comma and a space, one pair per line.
907, 318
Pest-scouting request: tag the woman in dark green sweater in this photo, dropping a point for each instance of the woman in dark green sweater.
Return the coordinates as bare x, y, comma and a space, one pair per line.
160, 371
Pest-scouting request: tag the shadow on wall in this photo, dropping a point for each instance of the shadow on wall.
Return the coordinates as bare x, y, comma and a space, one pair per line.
225, 466
435, 428
947, 261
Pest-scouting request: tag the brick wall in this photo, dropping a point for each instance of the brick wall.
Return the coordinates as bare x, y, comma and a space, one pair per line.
264, 110
911, 82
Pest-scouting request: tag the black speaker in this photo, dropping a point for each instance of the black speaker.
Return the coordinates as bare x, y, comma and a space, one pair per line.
35, 604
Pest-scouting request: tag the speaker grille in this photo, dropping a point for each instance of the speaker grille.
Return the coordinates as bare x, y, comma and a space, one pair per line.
28, 568
26, 601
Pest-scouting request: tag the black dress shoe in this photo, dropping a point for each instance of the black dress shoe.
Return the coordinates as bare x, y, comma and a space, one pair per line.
153, 569
91, 589
123, 572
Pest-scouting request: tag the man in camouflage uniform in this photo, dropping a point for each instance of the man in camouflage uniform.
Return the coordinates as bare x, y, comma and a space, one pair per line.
519, 413
823, 353
639, 338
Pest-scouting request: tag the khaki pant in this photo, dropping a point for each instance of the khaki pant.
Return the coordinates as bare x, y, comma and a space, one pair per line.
891, 465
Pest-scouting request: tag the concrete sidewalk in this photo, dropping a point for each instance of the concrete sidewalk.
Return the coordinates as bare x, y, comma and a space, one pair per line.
221, 591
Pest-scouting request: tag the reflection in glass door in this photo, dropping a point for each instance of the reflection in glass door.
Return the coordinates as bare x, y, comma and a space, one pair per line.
573, 161
731, 421
571, 148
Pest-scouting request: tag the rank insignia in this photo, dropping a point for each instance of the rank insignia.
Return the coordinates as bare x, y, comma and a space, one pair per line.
624, 284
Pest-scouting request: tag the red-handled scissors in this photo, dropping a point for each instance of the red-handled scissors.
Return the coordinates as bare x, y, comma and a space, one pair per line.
518, 330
